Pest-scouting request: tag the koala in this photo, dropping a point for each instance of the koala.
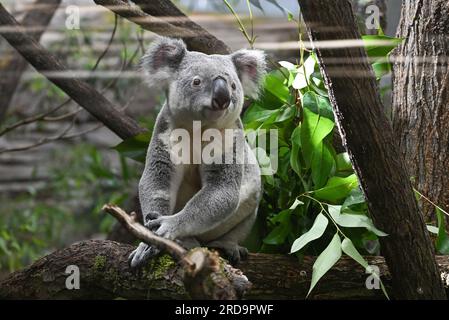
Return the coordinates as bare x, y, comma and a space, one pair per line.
200, 204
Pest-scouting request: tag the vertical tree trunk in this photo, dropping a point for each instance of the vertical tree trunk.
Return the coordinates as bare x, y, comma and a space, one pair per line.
374, 152
421, 98
38, 18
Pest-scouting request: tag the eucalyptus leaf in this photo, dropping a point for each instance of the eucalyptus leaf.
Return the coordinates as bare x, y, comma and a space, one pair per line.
432, 229
344, 162
380, 45
257, 113
322, 164
295, 162
313, 131
348, 248
276, 87
337, 189
317, 230
302, 79
355, 197
442, 243
318, 104
353, 220
326, 260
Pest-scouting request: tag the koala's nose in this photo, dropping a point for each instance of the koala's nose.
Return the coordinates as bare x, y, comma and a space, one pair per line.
221, 97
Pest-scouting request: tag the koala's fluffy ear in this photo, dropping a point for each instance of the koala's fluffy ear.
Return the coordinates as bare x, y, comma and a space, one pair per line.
251, 68
162, 60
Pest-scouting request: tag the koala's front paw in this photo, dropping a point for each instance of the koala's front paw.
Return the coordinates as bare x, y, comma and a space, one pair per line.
166, 227
233, 252
141, 255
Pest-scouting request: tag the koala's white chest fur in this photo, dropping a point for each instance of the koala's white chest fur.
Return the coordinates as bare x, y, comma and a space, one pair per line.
189, 183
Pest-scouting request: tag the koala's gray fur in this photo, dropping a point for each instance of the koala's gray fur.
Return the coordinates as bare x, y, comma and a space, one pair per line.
214, 205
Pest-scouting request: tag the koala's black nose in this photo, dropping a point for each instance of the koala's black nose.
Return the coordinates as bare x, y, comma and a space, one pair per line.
221, 97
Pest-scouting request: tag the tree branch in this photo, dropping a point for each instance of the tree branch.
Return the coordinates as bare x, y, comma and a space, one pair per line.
79, 91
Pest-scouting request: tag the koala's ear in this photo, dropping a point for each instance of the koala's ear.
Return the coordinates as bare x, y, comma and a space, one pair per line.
251, 69
162, 60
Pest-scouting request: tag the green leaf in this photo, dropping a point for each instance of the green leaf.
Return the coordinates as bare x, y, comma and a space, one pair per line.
353, 220
356, 197
257, 113
135, 147
380, 45
317, 230
343, 162
442, 243
276, 87
337, 189
322, 164
296, 148
326, 260
314, 129
318, 104
296, 204
302, 79
288, 65
286, 114
348, 248
432, 229
381, 69
278, 235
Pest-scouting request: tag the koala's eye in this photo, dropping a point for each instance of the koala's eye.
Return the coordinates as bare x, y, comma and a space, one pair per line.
196, 82
233, 86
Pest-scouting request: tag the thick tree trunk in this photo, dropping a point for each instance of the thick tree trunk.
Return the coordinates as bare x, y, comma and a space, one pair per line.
38, 19
105, 274
421, 98
374, 152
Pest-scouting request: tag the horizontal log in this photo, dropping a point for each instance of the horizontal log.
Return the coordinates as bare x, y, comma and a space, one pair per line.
105, 274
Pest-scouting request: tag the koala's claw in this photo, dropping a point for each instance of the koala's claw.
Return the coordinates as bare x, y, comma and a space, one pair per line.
141, 254
233, 252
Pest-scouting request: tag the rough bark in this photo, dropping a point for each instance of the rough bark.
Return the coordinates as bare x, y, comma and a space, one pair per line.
421, 98
85, 95
105, 274
37, 19
374, 152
